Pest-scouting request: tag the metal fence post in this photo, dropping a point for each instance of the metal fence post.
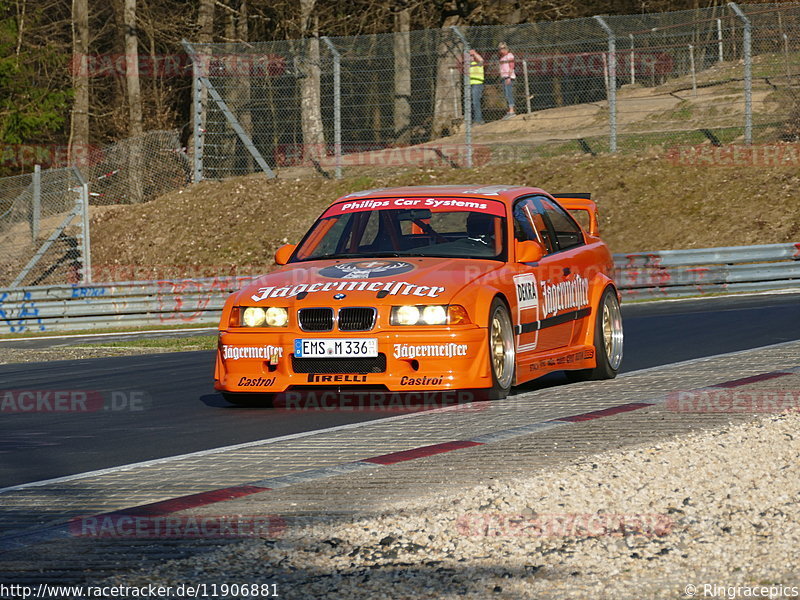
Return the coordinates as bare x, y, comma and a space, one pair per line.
36, 209
197, 125
467, 97
633, 61
612, 84
86, 246
719, 40
527, 86
229, 116
337, 105
748, 73
786, 59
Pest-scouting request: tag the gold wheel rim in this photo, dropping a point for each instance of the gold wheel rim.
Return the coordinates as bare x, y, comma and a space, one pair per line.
612, 332
498, 350
501, 347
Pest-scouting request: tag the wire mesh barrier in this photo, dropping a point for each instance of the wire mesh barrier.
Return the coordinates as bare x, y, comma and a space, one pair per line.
42, 227
645, 275
44, 220
671, 81
137, 169
706, 86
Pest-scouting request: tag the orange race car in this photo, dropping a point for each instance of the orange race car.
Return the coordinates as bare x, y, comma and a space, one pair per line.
428, 289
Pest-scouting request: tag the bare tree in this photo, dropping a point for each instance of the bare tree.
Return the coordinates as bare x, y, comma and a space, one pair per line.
205, 22
237, 87
134, 97
205, 35
132, 68
448, 78
246, 114
402, 76
79, 131
310, 92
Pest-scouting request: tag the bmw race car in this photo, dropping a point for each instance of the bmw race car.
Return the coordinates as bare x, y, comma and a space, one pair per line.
428, 289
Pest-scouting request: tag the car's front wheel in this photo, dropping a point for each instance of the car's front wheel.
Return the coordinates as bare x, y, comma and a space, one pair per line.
502, 353
608, 339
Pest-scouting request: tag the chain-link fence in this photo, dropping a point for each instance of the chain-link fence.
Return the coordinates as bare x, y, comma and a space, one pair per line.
42, 228
137, 169
669, 81
44, 218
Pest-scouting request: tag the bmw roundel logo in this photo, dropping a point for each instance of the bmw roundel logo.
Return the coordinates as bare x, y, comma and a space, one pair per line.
339, 296
366, 269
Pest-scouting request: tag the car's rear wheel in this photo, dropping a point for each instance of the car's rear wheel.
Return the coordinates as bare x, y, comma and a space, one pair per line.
248, 399
608, 338
502, 353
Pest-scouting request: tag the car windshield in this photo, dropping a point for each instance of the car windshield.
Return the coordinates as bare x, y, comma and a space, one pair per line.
436, 227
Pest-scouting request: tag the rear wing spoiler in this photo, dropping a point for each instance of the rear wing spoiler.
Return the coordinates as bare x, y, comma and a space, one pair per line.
581, 205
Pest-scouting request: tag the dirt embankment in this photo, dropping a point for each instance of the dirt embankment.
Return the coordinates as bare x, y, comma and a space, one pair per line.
646, 203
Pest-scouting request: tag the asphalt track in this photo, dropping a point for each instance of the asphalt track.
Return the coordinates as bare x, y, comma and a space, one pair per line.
182, 414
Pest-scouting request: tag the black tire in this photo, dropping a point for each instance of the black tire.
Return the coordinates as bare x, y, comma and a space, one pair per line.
502, 350
248, 399
608, 339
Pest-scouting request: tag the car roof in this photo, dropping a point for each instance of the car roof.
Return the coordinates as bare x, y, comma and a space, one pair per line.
504, 193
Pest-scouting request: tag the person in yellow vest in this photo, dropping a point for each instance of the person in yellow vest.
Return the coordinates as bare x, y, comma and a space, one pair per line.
476, 85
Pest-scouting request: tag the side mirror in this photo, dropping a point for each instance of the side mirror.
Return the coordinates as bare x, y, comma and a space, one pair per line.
529, 251
283, 253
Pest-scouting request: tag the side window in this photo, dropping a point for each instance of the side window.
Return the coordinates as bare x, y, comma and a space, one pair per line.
530, 225
568, 233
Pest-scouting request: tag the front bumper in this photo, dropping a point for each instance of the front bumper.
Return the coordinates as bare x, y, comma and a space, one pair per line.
415, 360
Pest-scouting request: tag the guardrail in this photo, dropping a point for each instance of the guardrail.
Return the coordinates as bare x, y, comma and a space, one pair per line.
644, 275
702, 271
126, 304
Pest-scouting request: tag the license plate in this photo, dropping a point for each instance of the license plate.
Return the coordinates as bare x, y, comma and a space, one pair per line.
336, 348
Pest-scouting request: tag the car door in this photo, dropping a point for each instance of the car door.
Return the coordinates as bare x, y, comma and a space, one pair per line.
540, 328
570, 299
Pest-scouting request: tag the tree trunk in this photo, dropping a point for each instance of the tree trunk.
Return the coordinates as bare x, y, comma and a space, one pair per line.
245, 112
132, 68
205, 35
402, 77
79, 139
205, 22
135, 174
446, 99
310, 92
230, 91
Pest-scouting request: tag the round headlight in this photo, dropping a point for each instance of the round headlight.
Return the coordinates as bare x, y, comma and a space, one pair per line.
277, 317
434, 315
407, 315
253, 316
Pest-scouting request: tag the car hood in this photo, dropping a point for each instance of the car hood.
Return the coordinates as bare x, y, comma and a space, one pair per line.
414, 280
